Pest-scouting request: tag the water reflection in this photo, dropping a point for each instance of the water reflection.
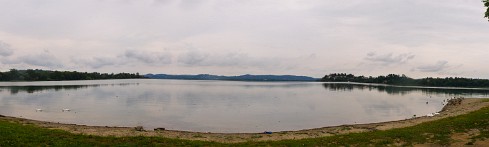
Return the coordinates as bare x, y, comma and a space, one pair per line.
39, 88
218, 106
31, 89
400, 90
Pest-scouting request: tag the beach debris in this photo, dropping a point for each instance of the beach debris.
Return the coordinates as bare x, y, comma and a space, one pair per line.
267, 132
432, 114
453, 102
38, 110
426, 102
139, 128
159, 129
65, 109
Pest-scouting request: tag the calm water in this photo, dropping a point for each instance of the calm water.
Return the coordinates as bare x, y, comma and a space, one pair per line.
219, 106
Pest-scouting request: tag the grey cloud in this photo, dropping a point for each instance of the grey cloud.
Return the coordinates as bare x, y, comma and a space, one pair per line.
411, 23
148, 57
190, 4
96, 62
232, 59
5, 49
390, 58
130, 57
437, 67
44, 59
193, 58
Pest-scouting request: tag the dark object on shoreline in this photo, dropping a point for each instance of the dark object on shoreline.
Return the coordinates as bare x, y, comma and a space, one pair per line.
456, 101
159, 129
139, 128
267, 132
453, 102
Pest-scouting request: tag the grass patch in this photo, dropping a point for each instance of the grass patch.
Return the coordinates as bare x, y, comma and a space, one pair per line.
198, 136
14, 134
437, 132
256, 136
346, 128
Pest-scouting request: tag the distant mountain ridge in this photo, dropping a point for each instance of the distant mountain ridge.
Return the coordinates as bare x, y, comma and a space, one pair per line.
246, 77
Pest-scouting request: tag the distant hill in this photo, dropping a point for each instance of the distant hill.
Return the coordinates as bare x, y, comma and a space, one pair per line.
246, 77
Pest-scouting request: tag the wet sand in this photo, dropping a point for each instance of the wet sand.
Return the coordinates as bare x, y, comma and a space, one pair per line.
454, 108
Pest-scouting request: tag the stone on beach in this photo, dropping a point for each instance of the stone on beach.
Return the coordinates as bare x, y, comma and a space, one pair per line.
159, 129
139, 128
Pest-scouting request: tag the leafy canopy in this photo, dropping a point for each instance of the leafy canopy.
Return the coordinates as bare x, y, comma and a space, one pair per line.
486, 4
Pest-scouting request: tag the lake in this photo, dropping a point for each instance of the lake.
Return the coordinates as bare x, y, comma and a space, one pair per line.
220, 106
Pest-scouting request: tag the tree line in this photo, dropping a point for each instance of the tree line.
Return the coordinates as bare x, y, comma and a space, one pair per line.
403, 80
47, 75
486, 4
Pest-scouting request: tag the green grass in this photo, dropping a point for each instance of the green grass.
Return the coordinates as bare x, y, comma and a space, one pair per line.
437, 132
13, 134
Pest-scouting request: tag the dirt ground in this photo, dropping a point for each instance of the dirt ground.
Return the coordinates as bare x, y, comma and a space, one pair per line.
457, 108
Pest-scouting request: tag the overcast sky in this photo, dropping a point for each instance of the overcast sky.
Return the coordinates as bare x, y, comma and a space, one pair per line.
418, 38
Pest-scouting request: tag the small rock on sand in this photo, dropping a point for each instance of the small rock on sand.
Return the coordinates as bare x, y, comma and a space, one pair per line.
139, 128
159, 129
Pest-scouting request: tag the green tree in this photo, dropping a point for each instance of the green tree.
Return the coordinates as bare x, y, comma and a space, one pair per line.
46, 75
14, 75
486, 4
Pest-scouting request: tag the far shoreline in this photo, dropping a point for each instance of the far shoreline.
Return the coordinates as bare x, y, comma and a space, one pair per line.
466, 105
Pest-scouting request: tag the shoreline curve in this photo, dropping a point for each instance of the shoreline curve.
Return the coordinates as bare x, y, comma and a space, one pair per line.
455, 107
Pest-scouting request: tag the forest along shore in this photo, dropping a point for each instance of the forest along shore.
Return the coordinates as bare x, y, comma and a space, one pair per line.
455, 107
